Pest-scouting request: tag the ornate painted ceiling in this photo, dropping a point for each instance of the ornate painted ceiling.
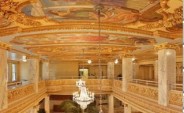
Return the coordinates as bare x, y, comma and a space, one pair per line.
62, 29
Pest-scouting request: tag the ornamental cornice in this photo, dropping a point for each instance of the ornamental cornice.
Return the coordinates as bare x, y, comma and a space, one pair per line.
5, 46
166, 46
127, 55
33, 57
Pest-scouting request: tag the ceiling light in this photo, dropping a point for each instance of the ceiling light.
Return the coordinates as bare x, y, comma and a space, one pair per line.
133, 58
24, 59
89, 61
116, 61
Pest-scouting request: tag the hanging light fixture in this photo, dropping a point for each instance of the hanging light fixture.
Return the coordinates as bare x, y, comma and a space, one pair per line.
99, 8
83, 97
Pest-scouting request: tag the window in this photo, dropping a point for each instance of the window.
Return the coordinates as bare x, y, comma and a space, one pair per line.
12, 71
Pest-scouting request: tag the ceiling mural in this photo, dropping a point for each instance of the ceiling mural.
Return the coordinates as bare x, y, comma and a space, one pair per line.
45, 39
63, 28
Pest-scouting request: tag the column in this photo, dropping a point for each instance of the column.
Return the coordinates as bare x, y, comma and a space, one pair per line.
166, 71
34, 70
127, 108
135, 70
45, 70
127, 68
110, 70
111, 103
3, 76
47, 104
156, 70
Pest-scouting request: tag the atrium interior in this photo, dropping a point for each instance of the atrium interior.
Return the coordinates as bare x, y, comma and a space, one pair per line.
128, 52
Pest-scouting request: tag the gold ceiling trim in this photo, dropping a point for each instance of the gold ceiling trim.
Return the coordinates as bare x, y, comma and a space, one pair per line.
166, 46
88, 26
5, 46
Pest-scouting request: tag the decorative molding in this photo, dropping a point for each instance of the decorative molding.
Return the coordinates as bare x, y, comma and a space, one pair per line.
138, 96
4, 46
33, 57
146, 91
175, 98
166, 46
18, 93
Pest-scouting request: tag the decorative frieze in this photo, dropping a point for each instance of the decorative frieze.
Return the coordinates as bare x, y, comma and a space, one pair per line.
18, 93
4, 46
166, 46
175, 98
146, 91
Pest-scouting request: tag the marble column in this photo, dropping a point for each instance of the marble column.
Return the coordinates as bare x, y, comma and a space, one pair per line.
34, 71
156, 70
127, 68
47, 104
166, 71
3, 79
110, 70
111, 103
135, 70
45, 70
127, 108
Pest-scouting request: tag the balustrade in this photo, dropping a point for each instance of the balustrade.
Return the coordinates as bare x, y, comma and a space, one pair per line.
139, 88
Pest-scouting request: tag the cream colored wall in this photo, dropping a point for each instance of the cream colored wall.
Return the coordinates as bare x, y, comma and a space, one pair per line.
24, 72
59, 70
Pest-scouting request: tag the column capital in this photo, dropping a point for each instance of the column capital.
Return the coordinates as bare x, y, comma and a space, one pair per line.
127, 55
45, 60
33, 57
4, 46
166, 46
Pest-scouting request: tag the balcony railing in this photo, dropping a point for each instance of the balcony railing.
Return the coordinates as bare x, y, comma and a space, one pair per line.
145, 82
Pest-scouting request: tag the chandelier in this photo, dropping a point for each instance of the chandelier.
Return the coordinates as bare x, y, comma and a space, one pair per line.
83, 97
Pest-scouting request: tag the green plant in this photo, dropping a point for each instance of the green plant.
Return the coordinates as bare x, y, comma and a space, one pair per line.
41, 111
70, 106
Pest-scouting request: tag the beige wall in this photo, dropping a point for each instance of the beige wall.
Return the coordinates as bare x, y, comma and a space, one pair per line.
24, 71
60, 70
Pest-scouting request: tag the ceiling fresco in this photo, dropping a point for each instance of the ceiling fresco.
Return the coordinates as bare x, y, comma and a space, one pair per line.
90, 38
61, 29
